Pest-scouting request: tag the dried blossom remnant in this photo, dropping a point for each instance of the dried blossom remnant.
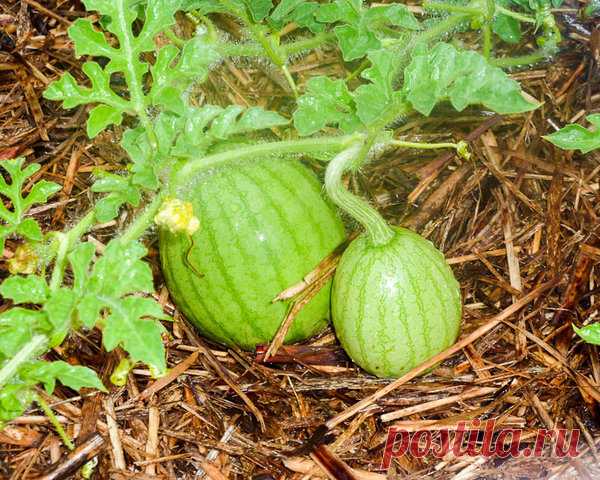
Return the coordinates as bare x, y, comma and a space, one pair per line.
24, 261
177, 216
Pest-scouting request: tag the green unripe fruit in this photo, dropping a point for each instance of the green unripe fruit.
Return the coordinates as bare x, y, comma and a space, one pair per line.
263, 226
394, 305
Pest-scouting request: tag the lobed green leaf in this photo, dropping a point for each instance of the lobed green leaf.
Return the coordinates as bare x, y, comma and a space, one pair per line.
105, 287
72, 376
121, 191
14, 220
325, 102
14, 400
373, 99
25, 289
17, 326
462, 77
361, 26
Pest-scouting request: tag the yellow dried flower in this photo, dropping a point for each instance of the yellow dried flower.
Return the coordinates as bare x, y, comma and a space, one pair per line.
177, 216
25, 260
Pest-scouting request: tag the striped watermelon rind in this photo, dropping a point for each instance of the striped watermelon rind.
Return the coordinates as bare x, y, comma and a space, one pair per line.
263, 226
395, 305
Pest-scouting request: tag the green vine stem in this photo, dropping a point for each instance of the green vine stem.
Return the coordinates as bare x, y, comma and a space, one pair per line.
269, 43
523, 60
304, 145
63, 243
461, 147
60, 261
518, 16
477, 11
377, 228
134, 80
37, 344
423, 146
141, 223
55, 423
451, 8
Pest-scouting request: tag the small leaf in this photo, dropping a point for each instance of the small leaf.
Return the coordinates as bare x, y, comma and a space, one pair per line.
40, 192
205, 7
284, 9
17, 327
80, 259
204, 127
224, 122
171, 78
398, 15
141, 338
326, 102
298, 11
14, 220
25, 289
576, 137
101, 117
121, 191
120, 271
349, 11
227, 122
255, 118
59, 309
355, 41
89, 41
14, 400
373, 99
143, 155
590, 333
361, 27
30, 230
259, 9
72, 376
507, 28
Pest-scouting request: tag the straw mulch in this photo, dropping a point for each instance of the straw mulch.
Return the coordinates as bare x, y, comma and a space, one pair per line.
518, 223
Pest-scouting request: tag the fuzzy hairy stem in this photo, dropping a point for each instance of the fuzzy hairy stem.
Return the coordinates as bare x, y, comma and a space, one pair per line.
259, 151
141, 223
252, 49
60, 262
524, 60
378, 230
55, 423
423, 146
63, 243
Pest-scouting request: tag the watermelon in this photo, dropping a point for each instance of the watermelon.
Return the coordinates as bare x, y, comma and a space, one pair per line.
264, 225
394, 305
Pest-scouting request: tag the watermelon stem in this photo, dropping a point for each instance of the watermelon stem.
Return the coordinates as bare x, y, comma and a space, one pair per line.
141, 223
258, 151
377, 228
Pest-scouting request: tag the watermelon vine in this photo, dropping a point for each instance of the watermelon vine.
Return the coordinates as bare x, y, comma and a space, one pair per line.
179, 149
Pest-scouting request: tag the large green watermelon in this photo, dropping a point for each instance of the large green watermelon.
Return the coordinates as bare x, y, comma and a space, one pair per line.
263, 226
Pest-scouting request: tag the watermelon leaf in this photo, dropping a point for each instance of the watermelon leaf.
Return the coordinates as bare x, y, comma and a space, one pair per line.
462, 77
14, 220
72, 376
576, 137
590, 333
325, 102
